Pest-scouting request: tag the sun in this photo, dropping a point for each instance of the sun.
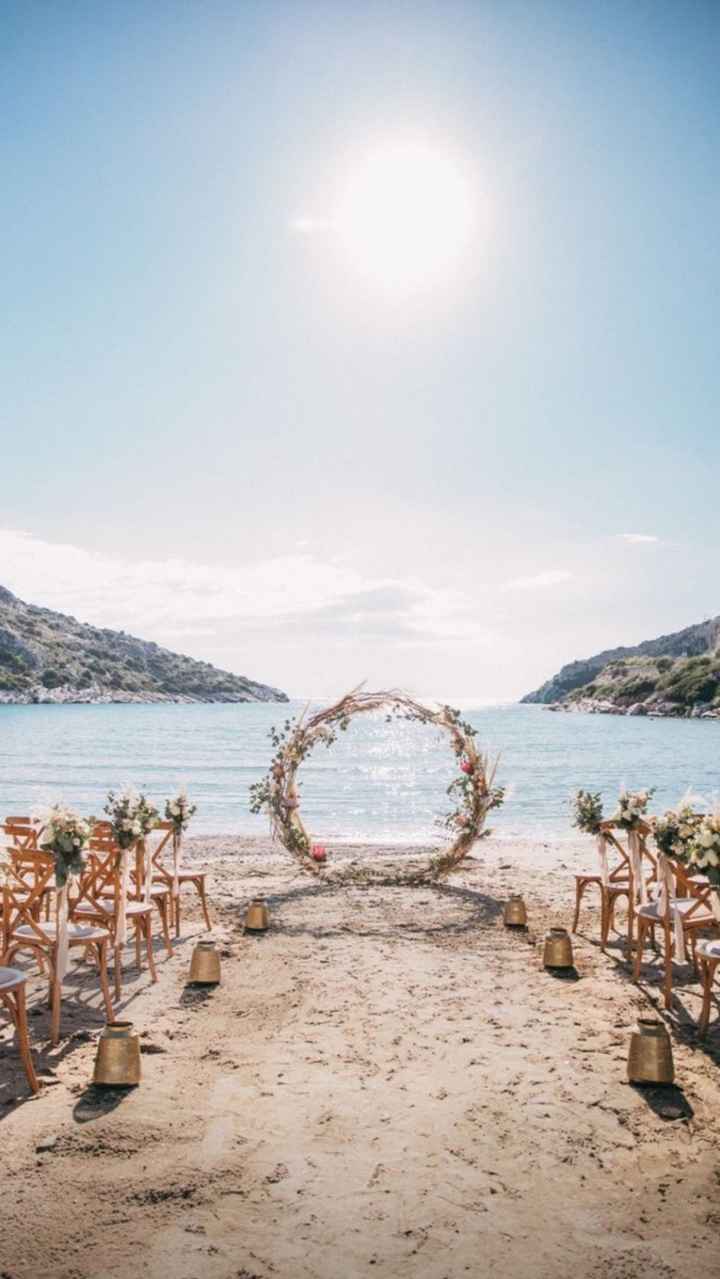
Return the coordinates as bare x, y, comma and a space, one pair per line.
405, 216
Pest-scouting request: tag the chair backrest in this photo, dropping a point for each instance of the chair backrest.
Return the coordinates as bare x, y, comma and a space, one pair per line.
30, 873
165, 832
21, 832
99, 887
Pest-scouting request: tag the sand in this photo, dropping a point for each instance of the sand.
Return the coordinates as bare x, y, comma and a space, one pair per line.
387, 1083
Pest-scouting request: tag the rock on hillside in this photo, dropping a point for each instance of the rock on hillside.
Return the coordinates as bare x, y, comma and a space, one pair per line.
49, 657
697, 641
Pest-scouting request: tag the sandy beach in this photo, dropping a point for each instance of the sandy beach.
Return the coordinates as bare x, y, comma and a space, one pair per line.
387, 1082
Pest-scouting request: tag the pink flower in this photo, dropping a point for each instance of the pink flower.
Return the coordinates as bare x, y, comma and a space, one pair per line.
319, 853
467, 767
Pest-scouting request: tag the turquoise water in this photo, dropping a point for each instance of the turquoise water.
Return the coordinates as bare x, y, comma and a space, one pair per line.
379, 782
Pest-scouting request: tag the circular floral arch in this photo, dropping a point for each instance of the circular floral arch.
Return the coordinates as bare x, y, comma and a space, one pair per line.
472, 792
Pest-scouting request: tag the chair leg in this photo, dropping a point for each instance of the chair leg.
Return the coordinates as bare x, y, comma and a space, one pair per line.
138, 952
162, 905
147, 929
55, 1014
667, 984
578, 898
24, 1039
605, 910
708, 970
639, 949
101, 951
118, 971
176, 909
200, 885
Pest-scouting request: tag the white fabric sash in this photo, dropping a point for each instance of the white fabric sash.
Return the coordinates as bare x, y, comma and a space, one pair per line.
639, 886
666, 903
62, 952
177, 840
121, 918
602, 854
146, 849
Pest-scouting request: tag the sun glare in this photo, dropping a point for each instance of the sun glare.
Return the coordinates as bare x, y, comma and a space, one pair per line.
405, 216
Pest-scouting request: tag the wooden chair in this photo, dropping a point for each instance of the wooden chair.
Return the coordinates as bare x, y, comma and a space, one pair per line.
708, 955
616, 880
23, 930
159, 895
165, 874
12, 996
681, 909
103, 900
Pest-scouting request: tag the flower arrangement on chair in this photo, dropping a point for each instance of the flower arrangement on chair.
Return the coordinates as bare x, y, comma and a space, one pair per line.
65, 835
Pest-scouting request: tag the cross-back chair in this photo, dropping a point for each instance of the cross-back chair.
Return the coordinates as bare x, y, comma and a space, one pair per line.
12, 996
682, 908
174, 876
103, 898
48, 941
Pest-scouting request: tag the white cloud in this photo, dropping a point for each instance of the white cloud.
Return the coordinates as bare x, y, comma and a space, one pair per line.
549, 577
176, 600
639, 539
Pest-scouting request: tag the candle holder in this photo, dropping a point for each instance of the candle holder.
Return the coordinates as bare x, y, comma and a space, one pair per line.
257, 919
205, 964
558, 952
650, 1058
117, 1062
515, 914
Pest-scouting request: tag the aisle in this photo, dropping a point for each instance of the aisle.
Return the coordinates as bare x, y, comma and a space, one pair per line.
387, 1083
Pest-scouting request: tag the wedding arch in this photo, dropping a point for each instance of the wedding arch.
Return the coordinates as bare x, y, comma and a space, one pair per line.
473, 792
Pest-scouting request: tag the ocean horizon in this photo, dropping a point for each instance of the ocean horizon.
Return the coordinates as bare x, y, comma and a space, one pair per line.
381, 783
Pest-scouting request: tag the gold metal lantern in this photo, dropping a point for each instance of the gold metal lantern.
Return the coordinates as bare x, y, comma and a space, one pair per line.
257, 919
558, 951
650, 1059
205, 964
117, 1063
515, 914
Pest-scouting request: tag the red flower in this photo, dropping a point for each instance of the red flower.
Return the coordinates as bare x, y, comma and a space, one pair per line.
467, 767
319, 853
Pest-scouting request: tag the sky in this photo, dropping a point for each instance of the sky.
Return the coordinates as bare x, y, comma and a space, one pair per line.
367, 341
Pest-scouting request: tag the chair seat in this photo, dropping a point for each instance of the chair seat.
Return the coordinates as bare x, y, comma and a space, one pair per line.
681, 906
710, 949
77, 933
106, 906
182, 875
10, 978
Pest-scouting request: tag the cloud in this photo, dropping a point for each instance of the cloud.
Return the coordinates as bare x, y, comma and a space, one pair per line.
176, 600
639, 539
549, 577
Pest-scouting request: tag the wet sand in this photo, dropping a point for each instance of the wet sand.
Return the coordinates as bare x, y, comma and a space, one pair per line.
387, 1082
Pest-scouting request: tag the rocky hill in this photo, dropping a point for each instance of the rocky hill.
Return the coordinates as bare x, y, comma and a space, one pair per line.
48, 657
676, 674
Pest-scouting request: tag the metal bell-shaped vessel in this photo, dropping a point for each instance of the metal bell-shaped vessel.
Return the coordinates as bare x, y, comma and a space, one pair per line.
515, 914
558, 952
205, 964
650, 1059
257, 919
117, 1063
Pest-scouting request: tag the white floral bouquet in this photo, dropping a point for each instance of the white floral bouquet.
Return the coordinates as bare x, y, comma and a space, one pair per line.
674, 831
588, 811
131, 815
179, 811
632, 808
65, 835
703, 848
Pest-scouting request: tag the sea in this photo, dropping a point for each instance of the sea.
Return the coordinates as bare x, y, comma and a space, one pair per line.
383, 783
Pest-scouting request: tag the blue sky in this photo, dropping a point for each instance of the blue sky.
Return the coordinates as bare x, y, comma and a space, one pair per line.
216, 435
